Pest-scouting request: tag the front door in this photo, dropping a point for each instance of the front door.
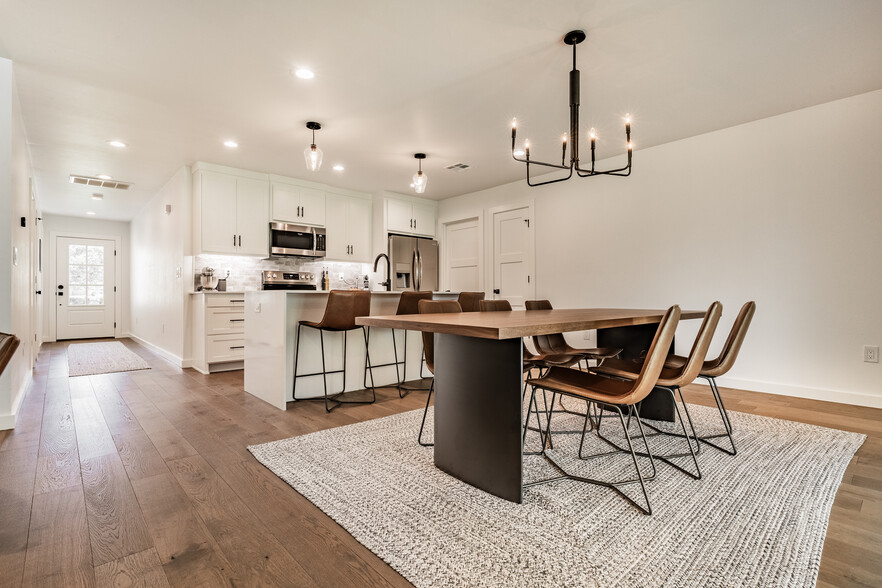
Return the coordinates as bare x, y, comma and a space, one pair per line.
84, 294
513, 256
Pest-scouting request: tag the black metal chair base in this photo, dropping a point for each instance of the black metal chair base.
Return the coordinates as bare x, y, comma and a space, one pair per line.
615, 486
334, 397
425, 412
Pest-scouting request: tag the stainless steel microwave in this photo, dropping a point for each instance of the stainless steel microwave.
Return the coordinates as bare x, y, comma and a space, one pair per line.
296, 241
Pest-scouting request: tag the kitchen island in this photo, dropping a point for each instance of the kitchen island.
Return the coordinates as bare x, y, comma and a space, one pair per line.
270, 339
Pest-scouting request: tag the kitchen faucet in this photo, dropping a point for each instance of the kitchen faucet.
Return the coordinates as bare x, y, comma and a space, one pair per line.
388, 282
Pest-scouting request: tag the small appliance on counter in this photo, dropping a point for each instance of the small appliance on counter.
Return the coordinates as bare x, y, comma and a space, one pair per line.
278, 280
207, 279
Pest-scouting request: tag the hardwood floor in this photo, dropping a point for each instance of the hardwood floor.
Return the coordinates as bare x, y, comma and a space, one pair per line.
143, 478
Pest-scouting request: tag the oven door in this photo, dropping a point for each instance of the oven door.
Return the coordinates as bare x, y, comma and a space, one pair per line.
292, 240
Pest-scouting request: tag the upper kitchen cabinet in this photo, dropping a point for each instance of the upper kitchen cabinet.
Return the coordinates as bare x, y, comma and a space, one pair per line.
348, 226
297, 202
230, 210
411, 217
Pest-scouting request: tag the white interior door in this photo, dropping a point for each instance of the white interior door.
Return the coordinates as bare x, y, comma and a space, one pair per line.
513, 256
462, 253
84, 294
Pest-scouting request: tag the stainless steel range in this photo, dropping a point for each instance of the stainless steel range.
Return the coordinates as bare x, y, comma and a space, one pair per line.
278, 280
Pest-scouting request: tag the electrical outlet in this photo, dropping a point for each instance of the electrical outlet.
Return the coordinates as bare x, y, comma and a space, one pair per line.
257, 307
871, 353
178, 272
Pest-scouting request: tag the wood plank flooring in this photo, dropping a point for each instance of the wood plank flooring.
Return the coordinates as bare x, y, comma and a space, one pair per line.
143, 478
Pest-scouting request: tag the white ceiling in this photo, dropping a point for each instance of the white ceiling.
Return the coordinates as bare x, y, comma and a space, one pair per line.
174, 79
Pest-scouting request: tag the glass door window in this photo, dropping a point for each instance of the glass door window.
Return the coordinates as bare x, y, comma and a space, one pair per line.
85, 275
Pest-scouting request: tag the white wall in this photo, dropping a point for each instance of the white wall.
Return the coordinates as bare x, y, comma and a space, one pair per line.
61, 226
786, 211
160, 250
16, 309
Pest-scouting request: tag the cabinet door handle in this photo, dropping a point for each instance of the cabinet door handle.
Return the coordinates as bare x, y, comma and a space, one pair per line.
238, 301
234, 240
240, 240
237, 320
237, 347
414, 223
298, 211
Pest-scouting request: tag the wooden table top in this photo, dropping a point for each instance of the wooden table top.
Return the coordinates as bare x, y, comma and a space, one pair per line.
521, 323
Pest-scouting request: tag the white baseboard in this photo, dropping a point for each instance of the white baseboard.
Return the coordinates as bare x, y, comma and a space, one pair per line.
841, 396
163, 353
7, 421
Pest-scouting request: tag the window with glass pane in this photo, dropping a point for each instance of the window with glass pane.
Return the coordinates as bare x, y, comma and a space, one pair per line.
85, 275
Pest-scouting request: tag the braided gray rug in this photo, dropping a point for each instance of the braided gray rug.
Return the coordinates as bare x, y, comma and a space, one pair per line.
756, 519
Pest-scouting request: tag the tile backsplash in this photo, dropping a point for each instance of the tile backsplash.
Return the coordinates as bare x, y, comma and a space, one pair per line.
245, 271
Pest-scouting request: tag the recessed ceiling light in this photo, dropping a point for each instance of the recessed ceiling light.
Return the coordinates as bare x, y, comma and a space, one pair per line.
103, 177
90, 213
97, 196
116, 143
338, 167
304, 73
231, 144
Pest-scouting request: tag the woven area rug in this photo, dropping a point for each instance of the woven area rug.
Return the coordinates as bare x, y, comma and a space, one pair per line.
87, 359
756, 519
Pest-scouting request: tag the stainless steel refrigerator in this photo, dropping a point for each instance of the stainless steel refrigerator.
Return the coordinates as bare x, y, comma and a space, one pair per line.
414, 263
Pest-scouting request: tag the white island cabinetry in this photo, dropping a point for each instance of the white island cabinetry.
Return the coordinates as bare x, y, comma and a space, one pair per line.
218, 331
270, 341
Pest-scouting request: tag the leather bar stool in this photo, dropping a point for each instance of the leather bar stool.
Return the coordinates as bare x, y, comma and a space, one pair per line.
343, 307
614, 395
432, 307
714, 368
408, 303
468, 301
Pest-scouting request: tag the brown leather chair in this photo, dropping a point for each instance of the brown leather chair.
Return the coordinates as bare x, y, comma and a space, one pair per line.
671, 379
557, 344
714, 368
408, 303
432, 307
343, 307
468, 301
494, 305
614, 395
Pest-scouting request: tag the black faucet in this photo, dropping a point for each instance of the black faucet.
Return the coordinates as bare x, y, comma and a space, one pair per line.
388, 282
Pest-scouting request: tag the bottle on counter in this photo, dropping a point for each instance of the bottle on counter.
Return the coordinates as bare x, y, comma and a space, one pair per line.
367, 283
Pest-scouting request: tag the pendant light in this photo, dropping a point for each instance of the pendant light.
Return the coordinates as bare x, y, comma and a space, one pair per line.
313, 154
420, 179
572, 38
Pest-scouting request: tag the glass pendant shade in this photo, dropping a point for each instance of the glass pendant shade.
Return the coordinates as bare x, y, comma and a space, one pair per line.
313, 156
419, 182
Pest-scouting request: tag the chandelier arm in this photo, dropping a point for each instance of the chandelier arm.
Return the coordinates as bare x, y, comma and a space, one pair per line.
583, 173
533, 185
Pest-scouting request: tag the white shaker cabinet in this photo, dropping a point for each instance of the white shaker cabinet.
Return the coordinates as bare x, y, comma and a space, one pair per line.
231, 213
348, 227
298, 205
410, 218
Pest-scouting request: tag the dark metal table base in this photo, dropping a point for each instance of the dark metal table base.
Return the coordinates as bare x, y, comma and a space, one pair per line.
478, 413
635, 342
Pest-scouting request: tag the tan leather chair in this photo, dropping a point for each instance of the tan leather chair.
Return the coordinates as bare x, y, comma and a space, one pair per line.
714, 368
343, 307
432, 307
614, 395
557, 344
468, 301
408, 303
671, 379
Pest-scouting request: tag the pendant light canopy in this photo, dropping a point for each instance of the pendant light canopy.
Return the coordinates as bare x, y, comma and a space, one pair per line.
572, 38
420, 179
313, 154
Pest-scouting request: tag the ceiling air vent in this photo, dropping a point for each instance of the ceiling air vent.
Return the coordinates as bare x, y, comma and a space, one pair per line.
458, 166
99, 183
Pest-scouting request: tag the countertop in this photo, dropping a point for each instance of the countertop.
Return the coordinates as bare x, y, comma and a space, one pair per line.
216, 292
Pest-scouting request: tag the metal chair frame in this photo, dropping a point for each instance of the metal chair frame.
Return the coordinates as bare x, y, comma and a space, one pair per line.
334, 397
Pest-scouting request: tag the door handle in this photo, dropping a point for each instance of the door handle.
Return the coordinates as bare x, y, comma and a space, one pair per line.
413, 262
234, 240
496, 290
237, 320
238, 347
60, 294
419, 279
240, 240
40, 292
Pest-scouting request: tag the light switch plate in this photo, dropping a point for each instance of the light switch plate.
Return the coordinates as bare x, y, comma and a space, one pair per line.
257, 307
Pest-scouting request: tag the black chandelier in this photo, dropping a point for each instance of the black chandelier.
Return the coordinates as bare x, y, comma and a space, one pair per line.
572, 38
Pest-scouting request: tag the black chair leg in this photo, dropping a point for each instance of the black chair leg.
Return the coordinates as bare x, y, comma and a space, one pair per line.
425, 412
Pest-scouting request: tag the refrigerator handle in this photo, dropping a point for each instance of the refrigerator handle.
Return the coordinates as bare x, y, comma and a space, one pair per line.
413, 270
420, 269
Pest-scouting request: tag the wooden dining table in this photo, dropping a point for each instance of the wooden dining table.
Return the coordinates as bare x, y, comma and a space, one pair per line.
479, 380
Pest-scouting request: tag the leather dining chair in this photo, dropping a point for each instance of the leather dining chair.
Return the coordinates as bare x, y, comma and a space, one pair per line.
432, 307
342, 308
556, 343
615, 395
671, 379
714, 368
468, 301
